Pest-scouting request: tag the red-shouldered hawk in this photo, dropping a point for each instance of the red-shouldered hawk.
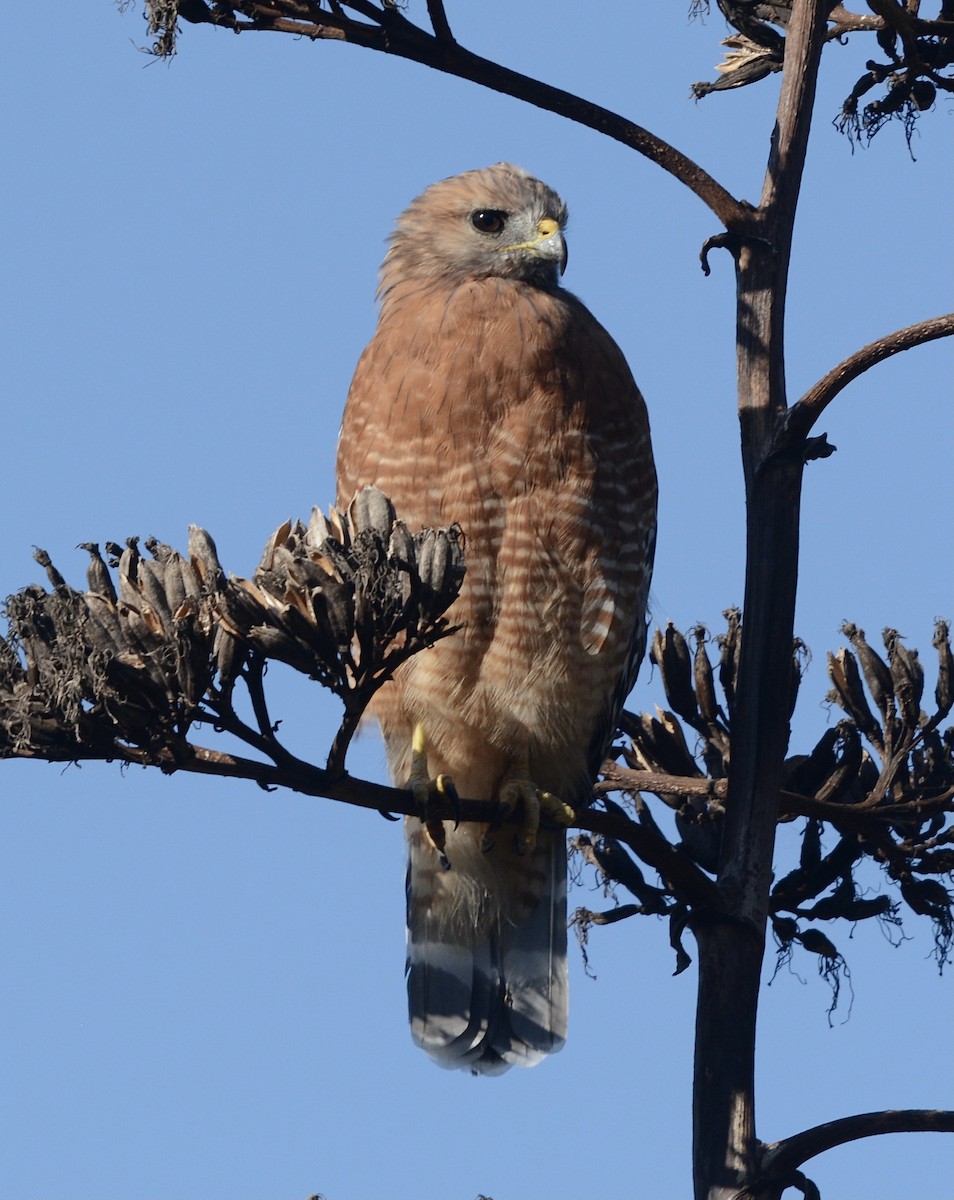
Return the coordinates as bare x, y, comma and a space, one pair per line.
490, 397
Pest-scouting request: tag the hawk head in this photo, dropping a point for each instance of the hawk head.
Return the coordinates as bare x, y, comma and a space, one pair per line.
497, 221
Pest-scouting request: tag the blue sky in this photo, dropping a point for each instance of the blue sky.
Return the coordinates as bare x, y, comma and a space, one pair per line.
202, 990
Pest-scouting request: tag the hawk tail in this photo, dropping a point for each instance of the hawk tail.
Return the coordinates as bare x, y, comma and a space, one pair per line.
486, 972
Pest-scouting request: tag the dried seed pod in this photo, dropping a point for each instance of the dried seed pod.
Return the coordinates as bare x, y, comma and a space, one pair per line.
129, 574
173, 582
617, 866
159, 550
670, 653
370, 509
274, 546
907, 677
205, 558
272, 642
677, 742
867, 778
834, 905
98, 578
678, 921
731, 646
105, 630
810, 855
923, 94
787, 891
815, 942
701, 834
861, 910
139, 639
658, 746
336, 603
887, 39
896, 98
151, 586
703, 678
807, 775
319, 530
229, 656
55, 578
849, 694
848, 764
634, 756
938, 862
440, 563
875, 669
191, 583
944, 689
192, 675
785, 929
403, 564
240, 605
926, 897
12, 674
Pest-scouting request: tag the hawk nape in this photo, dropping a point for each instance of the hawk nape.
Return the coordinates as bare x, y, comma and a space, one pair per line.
491, 397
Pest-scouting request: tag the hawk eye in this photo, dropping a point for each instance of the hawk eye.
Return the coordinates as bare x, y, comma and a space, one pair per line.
488, 220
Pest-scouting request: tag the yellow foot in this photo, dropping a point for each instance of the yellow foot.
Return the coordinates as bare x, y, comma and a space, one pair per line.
427, 792
535, 805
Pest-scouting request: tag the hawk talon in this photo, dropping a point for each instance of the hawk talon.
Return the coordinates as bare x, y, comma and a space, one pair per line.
487, 842
426, 791
556, 811
446, 787
537, 804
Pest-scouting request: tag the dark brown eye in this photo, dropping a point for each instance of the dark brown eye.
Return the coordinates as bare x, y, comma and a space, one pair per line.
489, 220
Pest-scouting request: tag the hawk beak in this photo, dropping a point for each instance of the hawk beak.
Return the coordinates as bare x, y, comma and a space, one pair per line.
552, 244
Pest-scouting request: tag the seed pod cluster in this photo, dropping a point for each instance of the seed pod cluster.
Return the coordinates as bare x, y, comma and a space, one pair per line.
128, 664
126, 667
347, 598
659, 742
909, 80
916, 758
881, 778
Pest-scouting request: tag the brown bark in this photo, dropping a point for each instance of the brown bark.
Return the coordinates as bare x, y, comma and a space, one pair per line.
730, 954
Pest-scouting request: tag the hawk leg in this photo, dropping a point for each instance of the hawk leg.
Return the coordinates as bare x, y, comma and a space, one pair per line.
427, 790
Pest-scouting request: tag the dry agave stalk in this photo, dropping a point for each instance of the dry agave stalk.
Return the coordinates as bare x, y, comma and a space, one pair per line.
881, 779
123, 670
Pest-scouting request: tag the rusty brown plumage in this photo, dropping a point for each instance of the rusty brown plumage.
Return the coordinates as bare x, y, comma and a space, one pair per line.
491, 397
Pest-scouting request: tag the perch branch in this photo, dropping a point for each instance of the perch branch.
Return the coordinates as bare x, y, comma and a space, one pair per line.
622, 779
